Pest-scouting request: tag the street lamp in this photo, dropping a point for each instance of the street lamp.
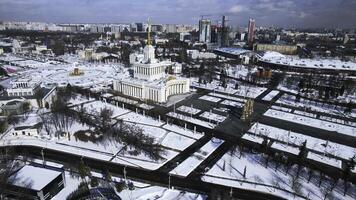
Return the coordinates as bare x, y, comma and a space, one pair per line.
42, 153
125, 174
169, 181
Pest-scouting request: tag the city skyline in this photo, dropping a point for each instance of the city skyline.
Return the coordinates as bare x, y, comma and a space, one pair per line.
290, 13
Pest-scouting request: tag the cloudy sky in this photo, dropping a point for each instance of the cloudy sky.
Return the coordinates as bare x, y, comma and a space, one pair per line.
287, 13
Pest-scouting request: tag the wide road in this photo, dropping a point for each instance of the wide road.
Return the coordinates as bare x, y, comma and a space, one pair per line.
154, 177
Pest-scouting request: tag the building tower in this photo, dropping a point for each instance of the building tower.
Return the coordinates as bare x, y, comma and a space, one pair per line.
149, 51
224, 32
251, 32
204, 31
247, 110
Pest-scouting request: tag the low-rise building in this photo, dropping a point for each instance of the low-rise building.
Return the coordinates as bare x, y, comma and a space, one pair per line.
23, 90
31, 182
27, 130
281, 48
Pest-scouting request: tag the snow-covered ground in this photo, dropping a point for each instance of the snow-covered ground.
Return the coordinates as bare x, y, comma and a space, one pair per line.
307, 114
281, 108
189, 110
316, 123
329, 64
191, 120
183, 131
110, 150
213, 117
79, 99
270, 95
98, 106
248, 91
210, 98
141, 191
314, 106
190, 164
252, 138
176, 141
232, 103
326, 160
229, 97
315, 144
93, 74
230, 170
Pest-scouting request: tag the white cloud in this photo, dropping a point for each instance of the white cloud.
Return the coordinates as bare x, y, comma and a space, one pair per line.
238, 9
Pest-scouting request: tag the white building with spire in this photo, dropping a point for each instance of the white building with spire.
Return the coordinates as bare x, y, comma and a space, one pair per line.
150, 81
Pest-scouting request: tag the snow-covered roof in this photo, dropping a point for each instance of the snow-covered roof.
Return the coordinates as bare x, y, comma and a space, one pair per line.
34, 178
317, 63
232, 50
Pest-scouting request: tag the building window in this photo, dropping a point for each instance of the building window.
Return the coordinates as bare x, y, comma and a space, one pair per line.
23, 133
60, 183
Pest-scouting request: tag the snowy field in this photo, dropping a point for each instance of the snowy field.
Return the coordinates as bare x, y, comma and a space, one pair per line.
191, 120
182, 131
141, 191
79, 99
102, 148
307, 114
315, 144
212, 117
190, 164
210, 98
248, 171
135, 117
176, 141
98, 106
232, 103
189, 110
93, 74
281, 108
247, 91
325, 160
316, 123
223, 96
250, 91
314, 106
270, 95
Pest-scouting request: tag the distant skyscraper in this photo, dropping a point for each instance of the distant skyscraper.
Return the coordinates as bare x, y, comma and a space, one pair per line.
139, 27
251, 31
214, 34
224, 32
204, 30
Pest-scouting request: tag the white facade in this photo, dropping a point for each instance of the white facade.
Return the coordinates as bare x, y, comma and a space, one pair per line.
28, 131
195, 54
155, 93
150, 81
22, 87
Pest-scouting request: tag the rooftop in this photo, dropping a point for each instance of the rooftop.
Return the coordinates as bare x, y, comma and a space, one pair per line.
317, 63
34, 178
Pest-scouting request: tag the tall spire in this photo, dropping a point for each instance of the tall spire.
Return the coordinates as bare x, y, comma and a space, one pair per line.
149, 32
